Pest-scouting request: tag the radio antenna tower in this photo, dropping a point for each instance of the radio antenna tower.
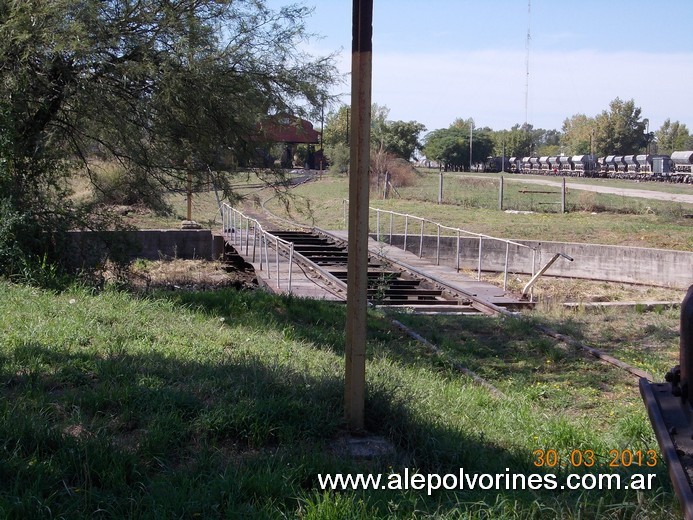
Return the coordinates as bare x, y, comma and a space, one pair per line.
529, 38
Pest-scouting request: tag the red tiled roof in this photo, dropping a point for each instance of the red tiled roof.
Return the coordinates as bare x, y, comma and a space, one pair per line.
289, 129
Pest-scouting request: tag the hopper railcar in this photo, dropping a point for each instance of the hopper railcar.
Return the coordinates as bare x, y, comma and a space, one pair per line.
644, 167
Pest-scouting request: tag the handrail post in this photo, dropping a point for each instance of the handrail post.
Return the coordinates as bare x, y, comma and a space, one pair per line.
458, 250
236, 226
247, 235
421, 239
223, 213
406, 230
505, 276
240, 231
233, 227
276, 252
291, 264
262, 237
534, 265
255, 242
377, 219
478, 274
391, 217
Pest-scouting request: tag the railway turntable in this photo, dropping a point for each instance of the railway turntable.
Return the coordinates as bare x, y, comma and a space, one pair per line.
313, 263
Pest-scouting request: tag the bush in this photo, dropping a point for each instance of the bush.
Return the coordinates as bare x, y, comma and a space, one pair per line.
338, 157
113, 184
10, 224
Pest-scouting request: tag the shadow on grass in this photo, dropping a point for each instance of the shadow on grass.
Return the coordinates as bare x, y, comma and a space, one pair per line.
511, 351
127, 431
149, 434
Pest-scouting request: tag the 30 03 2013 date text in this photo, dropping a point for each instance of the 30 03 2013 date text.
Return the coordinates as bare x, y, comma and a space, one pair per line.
551, 458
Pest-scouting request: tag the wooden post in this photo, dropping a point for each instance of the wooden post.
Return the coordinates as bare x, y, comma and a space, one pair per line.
357, 263
563, 196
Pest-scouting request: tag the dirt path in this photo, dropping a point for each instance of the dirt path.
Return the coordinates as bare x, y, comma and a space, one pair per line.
626, 192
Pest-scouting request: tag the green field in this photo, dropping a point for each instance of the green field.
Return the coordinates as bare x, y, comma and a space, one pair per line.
228, 404
471, 203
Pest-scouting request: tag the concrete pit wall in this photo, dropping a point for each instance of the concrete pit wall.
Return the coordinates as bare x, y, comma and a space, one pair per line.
91, 248
658, 267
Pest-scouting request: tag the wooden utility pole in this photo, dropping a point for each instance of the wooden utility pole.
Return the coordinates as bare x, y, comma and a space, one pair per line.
357, 264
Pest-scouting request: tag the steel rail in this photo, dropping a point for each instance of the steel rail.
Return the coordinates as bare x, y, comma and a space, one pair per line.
480, 304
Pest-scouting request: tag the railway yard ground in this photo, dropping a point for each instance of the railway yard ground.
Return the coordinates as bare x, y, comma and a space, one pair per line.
176, 395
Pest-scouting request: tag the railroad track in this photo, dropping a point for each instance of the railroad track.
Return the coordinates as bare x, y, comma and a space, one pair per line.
390, 285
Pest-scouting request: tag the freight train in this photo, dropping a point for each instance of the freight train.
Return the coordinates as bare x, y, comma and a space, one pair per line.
677, 167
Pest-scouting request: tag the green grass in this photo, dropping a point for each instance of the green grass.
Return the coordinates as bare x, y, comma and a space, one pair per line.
228, 404
471, 204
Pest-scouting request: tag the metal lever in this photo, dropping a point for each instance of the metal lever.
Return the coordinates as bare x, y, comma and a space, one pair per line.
543, 270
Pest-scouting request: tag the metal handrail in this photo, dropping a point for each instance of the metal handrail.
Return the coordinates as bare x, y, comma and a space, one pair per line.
233, 223
458, 232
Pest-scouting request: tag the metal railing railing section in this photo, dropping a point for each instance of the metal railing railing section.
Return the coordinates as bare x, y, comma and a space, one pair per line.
246, 232
454, 232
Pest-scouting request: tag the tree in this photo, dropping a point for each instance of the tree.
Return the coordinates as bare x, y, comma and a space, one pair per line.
396, 138
672, 137
401, 138
517, 141
578, 135
336, 129
619, 131
450, 146
165, 87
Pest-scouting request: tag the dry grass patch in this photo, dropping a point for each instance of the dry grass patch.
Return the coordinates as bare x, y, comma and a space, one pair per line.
196, 275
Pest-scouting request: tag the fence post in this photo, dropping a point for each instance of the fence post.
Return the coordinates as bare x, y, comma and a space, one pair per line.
500, 195
563, 197
438, 247
440, 188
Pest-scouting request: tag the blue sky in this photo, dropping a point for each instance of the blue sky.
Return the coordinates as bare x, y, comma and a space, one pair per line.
438, 60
